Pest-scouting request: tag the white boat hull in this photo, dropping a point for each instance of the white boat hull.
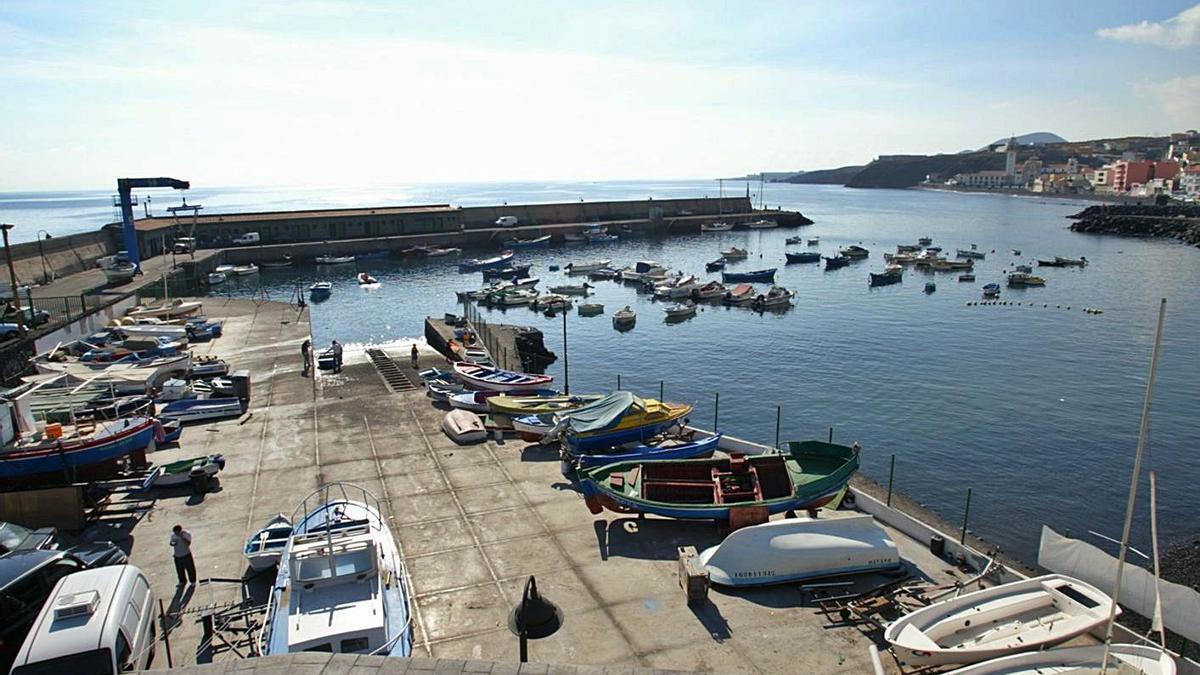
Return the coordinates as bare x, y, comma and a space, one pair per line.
464, 427
1122, 660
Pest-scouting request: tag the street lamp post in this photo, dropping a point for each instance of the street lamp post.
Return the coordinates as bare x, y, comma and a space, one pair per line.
12, 275
566, 362
41, 254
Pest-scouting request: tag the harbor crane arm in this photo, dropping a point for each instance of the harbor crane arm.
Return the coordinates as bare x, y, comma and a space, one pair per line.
125, 188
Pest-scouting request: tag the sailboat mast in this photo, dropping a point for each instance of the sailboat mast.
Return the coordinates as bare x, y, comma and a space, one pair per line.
1156, 624
1133, 483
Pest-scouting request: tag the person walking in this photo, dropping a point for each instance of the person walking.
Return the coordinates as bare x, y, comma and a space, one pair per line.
337, 356
185, 565
306, 353
415, 356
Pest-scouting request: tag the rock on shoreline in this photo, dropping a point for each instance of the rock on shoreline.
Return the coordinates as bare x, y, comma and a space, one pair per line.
1176, 221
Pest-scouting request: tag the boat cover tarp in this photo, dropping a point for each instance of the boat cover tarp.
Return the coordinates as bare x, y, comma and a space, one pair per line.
601, 414
1180, 604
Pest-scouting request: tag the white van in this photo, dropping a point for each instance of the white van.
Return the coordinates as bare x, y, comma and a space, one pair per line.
184, 245
96, 621
506, 221
248, 238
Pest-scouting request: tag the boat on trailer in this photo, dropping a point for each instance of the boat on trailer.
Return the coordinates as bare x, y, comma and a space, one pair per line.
264, 548
341, 585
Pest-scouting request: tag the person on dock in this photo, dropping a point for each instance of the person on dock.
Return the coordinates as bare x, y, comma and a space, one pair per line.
306, 354
185, 565
416, 356
337, 356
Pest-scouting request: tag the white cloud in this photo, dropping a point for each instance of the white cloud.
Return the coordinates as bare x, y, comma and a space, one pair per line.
1178, 32
1179, 98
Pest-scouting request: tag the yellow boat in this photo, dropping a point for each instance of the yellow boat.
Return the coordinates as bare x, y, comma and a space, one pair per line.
619, 418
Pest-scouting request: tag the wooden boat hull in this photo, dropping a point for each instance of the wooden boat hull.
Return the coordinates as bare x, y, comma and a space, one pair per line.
94, 459
497, 379
884, 279
702, 448
810, 257
766, 276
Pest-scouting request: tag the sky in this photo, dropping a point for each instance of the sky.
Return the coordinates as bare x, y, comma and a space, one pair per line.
311, 92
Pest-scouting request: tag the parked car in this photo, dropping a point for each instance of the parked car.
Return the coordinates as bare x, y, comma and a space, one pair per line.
506, 221
26, 579
95, 621
99, 554
184, 245
9, 331
248, 238
33, 317
14, 537
6, 291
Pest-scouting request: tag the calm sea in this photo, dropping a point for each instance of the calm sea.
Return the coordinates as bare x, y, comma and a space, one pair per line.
1032, 405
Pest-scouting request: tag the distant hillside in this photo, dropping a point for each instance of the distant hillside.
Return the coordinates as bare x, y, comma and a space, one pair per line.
906, 171
838, 176
1035, 138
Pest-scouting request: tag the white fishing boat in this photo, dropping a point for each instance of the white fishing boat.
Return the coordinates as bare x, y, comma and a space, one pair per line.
791, 241
196, 409
624, 318
552, 302
777, 297
682, 310
334, 259
581, 289
643, 270
716, 227
341, 586
679, 287
713, 290
800, 548
265, 547
464, 426
735, 253
245, 270
1020, 616
149, 330
215, 278
1123, 659
763, 224
320, 289
512, 297
169, 310
585, 267
119, 273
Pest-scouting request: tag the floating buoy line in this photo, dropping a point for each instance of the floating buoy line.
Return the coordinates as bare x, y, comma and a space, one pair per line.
1044, 305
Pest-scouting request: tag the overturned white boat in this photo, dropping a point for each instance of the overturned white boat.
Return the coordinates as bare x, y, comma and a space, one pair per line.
1020, 616
800, 548
1122, 660
464, 426
341, 585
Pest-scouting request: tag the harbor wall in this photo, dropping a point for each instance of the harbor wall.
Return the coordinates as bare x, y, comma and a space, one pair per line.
33, 261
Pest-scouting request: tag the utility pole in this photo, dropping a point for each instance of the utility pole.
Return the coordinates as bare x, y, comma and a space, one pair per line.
12, 276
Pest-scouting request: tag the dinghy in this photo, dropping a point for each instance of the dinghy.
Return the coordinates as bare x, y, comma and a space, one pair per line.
196, 409
1015, 617
477, 264
585, 267
498, 379
801, 548
681, 311
803, 257
591, 309
581, 289
624, 318
767, 275
836, 262
1122, 660
670, 449
264, 548
775, 298
802, 475
735, 253
180, 473
464, 426
742, 294
320, 290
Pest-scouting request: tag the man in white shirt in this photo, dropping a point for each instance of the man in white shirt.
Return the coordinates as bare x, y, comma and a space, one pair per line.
185, 566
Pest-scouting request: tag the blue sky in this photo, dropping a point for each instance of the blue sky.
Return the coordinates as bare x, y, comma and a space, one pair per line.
315, 92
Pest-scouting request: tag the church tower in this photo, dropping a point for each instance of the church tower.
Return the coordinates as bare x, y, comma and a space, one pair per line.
1010, 160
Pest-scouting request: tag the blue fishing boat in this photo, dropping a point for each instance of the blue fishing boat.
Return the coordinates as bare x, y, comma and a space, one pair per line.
836, 262
803, 257
476, 264
718, 264
538, 242
691, 450
767, 275
86, 452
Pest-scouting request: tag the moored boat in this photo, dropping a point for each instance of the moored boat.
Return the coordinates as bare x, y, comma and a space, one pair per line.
591, 309
477, 264
1025, 279
264, 548
814, 241
714, 265
334, 259
886, 278
972, 254
581, 289
656, 450
624, 318
585, 267
776, 297
713, 290
803, 257
794, 240
735, 253
498, 379
216, 278
742, 294
320, 290
991, 290
802, 475
854, 252
542, 241
285, 261
930, 287
836, 262
245, 270
681, 310
966, 277
767, 276
365, 279
762, 224
716, 227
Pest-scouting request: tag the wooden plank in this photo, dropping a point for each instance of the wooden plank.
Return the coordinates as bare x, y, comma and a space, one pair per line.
63, 507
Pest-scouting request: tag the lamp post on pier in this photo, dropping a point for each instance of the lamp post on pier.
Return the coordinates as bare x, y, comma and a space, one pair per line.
41, 254
12, 276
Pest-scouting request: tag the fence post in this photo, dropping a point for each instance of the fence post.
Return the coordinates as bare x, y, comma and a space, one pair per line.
778, 418
962, 538
618, 382
831, 435
660, 390
166, 630
891, 475
83, 303
716, 410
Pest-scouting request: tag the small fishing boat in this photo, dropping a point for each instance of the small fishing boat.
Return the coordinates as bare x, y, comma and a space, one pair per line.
320, 290
80, 452
716, 227
1070, 262
814, 241
908, 248
581, 289
498, 379
794, 240
657, 450
435, 252
215, 278
1024, 269
991, 290
886, 278
735, 253
523, 404
245, 270
1123, 659
552, 302
264, 548
463, 427
973, 255
766, 276
603, 274
591, 309
624, 318
600, 237
943, 265
966, 277
1025, 279
585, 267
803, 257
341, 585
477, 264
543, 242
742, 294
119, 273
680, 287
682, 310
1015, 251
512, 297
196, 409
643, 270
180, 473
801, 475
854, 252
836, 262
714, 265
1024, 615
285, 261
510, 271
334, 259
763, 224
930, 287
713, 290
365, 279
775, 298
617, 419
170, 310
924, 241
793, 549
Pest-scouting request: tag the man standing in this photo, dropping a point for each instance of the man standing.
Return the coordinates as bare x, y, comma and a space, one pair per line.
185, 566
337, 356
306, 352
415, 356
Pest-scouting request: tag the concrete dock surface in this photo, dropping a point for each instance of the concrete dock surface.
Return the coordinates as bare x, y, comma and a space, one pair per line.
473, 523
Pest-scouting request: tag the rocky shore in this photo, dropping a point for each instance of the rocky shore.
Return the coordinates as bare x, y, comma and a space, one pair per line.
1176, 221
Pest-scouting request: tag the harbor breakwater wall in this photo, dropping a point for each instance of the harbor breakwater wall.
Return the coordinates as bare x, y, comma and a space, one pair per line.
39, 261
1173, 221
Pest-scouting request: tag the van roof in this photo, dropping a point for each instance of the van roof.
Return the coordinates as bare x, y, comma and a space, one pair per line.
52, 638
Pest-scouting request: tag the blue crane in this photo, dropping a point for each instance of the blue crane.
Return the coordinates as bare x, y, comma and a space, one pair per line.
125, 188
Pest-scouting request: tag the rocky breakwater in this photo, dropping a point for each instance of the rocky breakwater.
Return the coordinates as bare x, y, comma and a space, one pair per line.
1173, 220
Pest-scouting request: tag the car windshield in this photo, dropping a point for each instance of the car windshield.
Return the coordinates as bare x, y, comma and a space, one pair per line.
11, 535
97, 661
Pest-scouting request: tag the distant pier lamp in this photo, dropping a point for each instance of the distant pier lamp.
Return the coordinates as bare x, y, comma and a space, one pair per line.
46, 277
12, 276
534, 618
